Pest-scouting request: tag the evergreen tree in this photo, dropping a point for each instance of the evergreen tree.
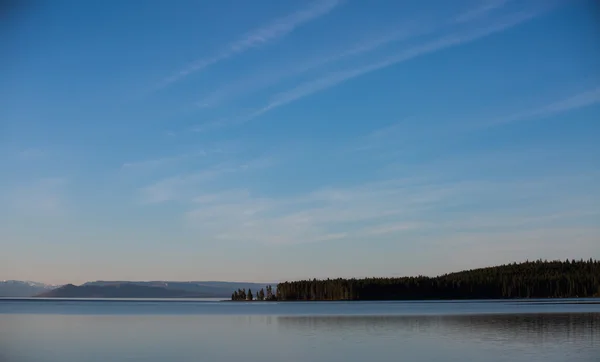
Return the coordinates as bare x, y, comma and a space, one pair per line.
249, 294
269, 292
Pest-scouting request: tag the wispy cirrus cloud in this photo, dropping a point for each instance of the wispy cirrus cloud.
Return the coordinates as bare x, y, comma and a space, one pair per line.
408, 30
171, 188
263, 80
444, 42
209, 126
312, 217
32, 154
168, 160
388, 209
333, 79
183, 186
580, 100
273, 31
395, 135
481, 11
211, 153
157, 162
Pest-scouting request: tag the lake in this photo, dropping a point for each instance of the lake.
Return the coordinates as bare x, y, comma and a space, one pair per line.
201, 330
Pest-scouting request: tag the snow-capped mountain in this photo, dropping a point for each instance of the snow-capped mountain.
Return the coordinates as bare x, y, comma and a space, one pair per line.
20, 288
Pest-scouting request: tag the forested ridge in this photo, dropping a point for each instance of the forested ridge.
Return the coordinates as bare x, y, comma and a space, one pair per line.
536, 279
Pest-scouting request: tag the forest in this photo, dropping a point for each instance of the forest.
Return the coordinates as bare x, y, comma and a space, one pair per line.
261, 295
531, 279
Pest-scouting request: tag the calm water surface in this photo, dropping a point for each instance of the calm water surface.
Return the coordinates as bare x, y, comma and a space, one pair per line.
126, 330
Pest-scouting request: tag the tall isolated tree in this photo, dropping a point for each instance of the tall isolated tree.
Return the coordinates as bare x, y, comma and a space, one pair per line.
269, 292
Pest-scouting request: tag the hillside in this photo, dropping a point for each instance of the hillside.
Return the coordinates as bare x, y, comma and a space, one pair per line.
153, 289
18, 288
212, 288
119, 291
539, 279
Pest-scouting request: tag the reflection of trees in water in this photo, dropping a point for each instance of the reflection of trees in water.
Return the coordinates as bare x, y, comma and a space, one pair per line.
251, 320
528, 328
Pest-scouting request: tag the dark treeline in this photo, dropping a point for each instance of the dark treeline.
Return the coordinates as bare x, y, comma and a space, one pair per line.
538, 279
241, 294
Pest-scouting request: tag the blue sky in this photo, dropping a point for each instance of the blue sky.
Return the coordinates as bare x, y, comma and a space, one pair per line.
273, 140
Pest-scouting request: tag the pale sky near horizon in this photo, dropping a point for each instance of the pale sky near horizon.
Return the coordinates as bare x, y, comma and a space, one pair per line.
275, 140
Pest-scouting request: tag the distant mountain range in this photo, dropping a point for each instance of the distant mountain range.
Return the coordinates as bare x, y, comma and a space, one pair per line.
208, 288
18, 288
126, 289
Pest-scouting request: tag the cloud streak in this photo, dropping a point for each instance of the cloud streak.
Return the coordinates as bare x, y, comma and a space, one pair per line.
581, 100
163, 161
444, 42
181, 187
408, 31
273, 31
264, 80
485, 9
32, 154
389, 209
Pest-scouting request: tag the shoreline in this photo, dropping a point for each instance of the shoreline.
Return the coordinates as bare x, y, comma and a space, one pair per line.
531, 301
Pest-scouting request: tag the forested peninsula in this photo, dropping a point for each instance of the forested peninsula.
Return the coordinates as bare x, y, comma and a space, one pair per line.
531, 279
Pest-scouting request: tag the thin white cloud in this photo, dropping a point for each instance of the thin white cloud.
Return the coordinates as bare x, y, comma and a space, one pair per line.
389, 209
172, 188
162, 161
481, 11
148, 164
391, 130
181, 187
273, 31
32, 154
210, 152
376, 140
263, 80
581, 100
208, 126
444, 42
408, 30
393, 228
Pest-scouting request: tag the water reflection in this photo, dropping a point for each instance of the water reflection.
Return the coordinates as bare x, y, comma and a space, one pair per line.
100, 337
526, 328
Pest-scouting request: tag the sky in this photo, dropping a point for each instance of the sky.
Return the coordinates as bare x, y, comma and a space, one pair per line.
276, 140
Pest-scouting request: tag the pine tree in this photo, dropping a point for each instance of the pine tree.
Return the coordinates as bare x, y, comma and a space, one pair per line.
269, 293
